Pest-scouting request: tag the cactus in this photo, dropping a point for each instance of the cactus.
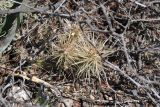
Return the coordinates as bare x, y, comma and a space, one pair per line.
73, 50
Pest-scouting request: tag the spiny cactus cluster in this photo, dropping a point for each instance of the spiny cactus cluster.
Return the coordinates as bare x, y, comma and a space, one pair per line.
5, 4
79, 51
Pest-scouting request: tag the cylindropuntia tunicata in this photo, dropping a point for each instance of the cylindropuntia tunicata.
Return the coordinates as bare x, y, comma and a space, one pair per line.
72, 49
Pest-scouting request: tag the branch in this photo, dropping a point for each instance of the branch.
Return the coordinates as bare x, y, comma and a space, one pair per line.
29, 9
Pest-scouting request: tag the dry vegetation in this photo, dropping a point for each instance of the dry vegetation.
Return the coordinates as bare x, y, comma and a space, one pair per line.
80, 53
